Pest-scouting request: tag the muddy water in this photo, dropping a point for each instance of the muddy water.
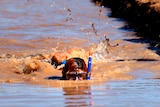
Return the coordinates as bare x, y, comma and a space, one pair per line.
128, 75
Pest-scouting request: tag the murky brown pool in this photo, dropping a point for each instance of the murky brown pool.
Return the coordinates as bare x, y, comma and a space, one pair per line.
128, 75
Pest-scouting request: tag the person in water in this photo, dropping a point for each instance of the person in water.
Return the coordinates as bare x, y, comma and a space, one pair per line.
74, 68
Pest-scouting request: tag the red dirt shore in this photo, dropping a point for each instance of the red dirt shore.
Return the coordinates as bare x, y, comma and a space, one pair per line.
143, 15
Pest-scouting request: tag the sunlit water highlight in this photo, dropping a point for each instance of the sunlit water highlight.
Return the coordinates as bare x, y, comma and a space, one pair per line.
132, 93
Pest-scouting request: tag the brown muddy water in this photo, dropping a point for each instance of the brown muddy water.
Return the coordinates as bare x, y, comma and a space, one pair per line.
32, 31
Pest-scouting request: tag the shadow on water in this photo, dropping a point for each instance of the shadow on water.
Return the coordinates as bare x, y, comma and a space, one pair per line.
153, 44
53, 78
138, 59
144, 38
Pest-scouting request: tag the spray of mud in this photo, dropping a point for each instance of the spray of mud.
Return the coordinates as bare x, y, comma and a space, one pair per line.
111, 61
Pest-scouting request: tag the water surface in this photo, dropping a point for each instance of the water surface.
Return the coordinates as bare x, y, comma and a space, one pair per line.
140, 92
33, 27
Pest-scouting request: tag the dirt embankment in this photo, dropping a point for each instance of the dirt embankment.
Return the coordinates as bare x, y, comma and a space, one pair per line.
142, 15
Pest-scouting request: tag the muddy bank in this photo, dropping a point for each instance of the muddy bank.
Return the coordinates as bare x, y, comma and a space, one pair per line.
142, 15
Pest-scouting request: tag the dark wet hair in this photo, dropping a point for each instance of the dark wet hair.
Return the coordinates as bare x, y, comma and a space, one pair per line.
72, 64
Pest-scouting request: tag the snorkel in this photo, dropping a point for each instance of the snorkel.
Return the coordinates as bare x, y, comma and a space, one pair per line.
64, 62
89, 66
